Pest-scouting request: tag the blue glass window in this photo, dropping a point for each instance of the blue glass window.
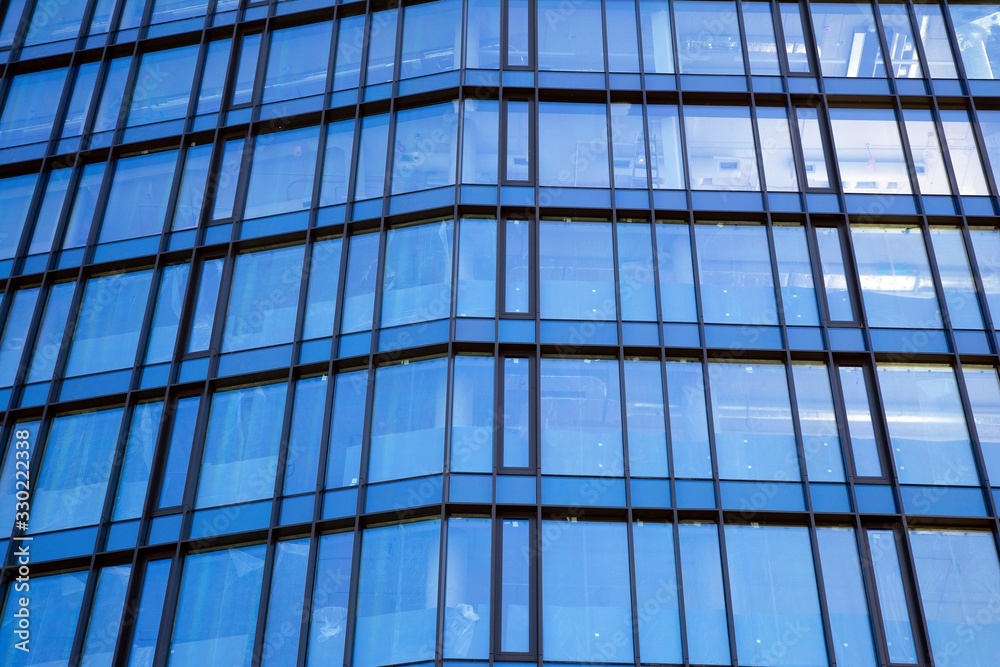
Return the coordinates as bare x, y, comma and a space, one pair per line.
644, 415
173, 10
83, 91
776, 147
282, 172
106, 616
432, 33
688, 419
517, 412
517, 266
520, 149
109, 110
137, 204
893, 607
860, 421
52, 24
426, 148
818, 423
482, 34
321, 295
574, 140
708, 37
676, 271
467, 589
576, 270
371, 173
147, 621
204, 306
657, 593
54, 608
359, 286
134, 477
350, 42
657, 37
284, 606
15, 198
191, 193
51, 332
847, 40
29, 111
622, 39
16, 441
921, 132
472, 416
179, 451
264, 299
229, 173
975, 28
12, 21
50, 211
762, 47
481, 136
831, 255
163, 85
515, 585
81, 214
246, 71
518, 29
636, 277
213, 81
720, 148
734, 274
795, 277
328, 622
570, 37
905, 60
869, 152
337, 162
416, 286
305, 436
15, 332
813, 142
937, 44
347, 429
381, 39
956, 278
704, 595
477, 268
984, 396
964, 152
665, 147
850, 621
289, 75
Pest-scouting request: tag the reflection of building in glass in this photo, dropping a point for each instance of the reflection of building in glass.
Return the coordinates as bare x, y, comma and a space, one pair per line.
472, 332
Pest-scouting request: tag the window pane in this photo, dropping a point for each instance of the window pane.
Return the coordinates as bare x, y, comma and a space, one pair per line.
359, 287
515, 582
289, 75
241, 445
517, 267
776, 148
472, 417
115, 81
762, 47
79, 104
864, 445
850, 622
137, 204
163, 85
665, 147
106, 616
657, 37
964, 153
229, 173
346, 429
984, 397
636, 285
673, 256
516, 413
708, 37
477, 268
795, 40
284, 606
831, 254
586, 592
305, 437
657, 593
30, 110
467, 589
813, 147
246, 71
869, 153
204, 307
15, 333
328, 621
482, 34
396, 618
574, 139
956, 278
337, 162
370, 176
179, 451
937, 46
892, 597
581, 418
12, 21
81, 214
192, 189
321, 295
772, 593
734, 272
928, 158
518, 19
408, 420
51, 333
519, 144
213, 79
818, 423
899, 36
754, 435
576, 271
567, 36
623, 44
425, 149
264, 299
172, 10
282, 174
54, 608
147, 622
350, 41
432, 33
73, 477
628, 139
847, 40
688, 419
647, 431
795, 277
720, 147
895, 276
381, 47
107, 331
704, 595
219, 627
8, 478
50, 212
974, 25
927, 428
134, 477
481, 134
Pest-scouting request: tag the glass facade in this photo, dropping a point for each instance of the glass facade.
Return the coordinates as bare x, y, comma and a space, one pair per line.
487, 333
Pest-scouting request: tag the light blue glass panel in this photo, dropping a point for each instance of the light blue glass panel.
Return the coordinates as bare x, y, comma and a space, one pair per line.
481, 136
574, 140
795, 277
586, 600
734, 271
927, 428
520, 149
517, 266
51, 332
15, 199
581, 419
958, 575
305, 436
107, 330
173, 10
114, 90
337, 162
179, 451
518, 29
30, 107
191, 193
23, 437
796, 48
622, 41
903, 55
708, 37
73, 477
644, 408
975, 27
408, 426
50, 211
350, 42
12, 21
246, 71
52, 22
396, 618
81, 214
371, 172
217, 609
264, 299
147, 622
432, 38
850, 621
762, 49
472, 417
813, 139
83, 91
381, 39
15, 332
284, 606
657, 37
328, 622
568, 37
831, 253
241, 445
416, 286
163, 85
720, 147
515, 585
477, 268
864, 445
956, 278
818, 423
229, 174
688, 419
425, 154
869, 152
359, 286
665, 152
984, 397
636, 284
137, 204
704, 595
676, 269
482, 34
54, 607
321, 295
204, 306
134, 477
847, 40
576, 269
282, 172
754, 435
925, 144
213, 78
963, 148
628, 139
892, 597
516, 412
106, 616
773, 592
937, 45
657, 599
776, 147
289, 75
101, 21
467, 589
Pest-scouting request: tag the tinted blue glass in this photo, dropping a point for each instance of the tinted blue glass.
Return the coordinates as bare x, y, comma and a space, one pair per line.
472, 415
359, 287
576, 270
81, 215
581, 418
29, 111
636, 284
328, 623
515, 578
795, 278
850, 622
688, 419
517, 266
163, 85
482, 41
132, 14
246, 71
847, 40
147, 621
8, 478
107, 330
73, 477
106, 616
984, 396
704, 595
15, 331
229, 173
480, 141
623, 43
396, 619
759, 26
101, 20
52, 22
217, 609
956, 278
644, 415
416, 286
305, 436
408, 424
83, 91
734, 272
284, 606
54, 607
708, 37
264, 299
204, 306
667, 170
831, 253
241, 445
432, 33
321, 295
337, 162
520, 151
137, 204
567, 36
978, 39
754, 435
467, 589
289, 75
426, 146
381, 47
586, 600
51, 331
657, 599
134, 477
477, 268
50, 211
720, 147
350, 45
818, 423
346, 429
191, 192
574, 140
864, 445
869, 152
892, 597
213, 77
773, 592
114, 90
518, 29
179, 451
172, 10
371, 173
517, 413
676, 270
657, 37
12, 21
282, 173
166, 317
